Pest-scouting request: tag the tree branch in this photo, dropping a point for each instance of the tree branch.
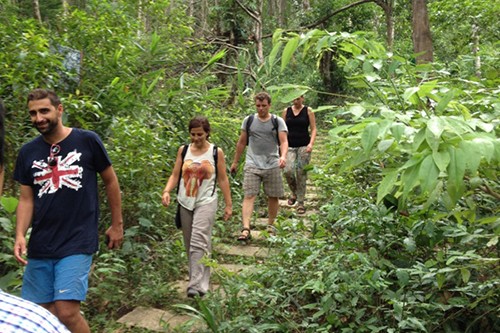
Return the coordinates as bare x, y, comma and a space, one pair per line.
248, 11
335, 12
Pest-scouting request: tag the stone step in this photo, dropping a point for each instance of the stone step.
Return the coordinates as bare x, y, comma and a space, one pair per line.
256, 234
181, 285
242, 250
156, 320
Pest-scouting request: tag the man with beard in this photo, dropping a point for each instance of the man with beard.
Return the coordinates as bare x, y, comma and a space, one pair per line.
57, 172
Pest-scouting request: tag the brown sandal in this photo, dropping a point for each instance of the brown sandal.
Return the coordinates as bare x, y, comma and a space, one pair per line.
291, 201
245, 237
301, 209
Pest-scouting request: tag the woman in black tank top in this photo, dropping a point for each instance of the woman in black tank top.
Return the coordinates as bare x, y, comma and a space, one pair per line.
301, 125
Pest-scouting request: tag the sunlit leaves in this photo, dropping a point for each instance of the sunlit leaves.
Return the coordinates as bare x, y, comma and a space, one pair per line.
288, 51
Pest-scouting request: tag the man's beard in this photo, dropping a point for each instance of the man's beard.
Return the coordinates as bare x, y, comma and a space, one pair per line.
51, 126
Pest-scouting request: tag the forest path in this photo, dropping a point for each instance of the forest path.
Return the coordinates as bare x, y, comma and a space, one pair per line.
243, 256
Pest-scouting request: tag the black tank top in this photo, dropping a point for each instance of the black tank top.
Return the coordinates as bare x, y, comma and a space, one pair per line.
298, 127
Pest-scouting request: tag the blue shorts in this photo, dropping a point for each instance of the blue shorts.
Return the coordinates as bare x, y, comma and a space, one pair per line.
64, 279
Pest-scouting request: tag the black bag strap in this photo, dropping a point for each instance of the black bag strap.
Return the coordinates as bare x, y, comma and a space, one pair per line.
216, 158
183, 155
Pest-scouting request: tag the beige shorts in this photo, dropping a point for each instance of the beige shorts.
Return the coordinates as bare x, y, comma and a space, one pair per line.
269, 178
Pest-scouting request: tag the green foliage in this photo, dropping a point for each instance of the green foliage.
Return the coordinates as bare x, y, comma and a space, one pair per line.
427, 130
10, 269
366, 269
421, 137
457, 21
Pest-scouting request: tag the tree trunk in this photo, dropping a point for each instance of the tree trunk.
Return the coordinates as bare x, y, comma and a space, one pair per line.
272, 5
282, 13
306, 5
203, 17
388, 8
140, 18
258, 32
422, 41
36, 11
65, 6
257, 17
475, 49
389, 22
190, 11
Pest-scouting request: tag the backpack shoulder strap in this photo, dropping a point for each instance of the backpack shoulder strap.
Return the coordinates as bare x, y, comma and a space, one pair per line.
184, 152
274, 119
216, 157
249, 122
183, 155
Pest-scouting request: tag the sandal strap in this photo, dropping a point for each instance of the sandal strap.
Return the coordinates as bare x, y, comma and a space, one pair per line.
245, 229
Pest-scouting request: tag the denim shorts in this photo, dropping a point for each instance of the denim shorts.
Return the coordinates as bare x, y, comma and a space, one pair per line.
47, 280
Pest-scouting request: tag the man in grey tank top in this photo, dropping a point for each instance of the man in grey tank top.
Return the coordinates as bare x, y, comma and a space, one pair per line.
265, 157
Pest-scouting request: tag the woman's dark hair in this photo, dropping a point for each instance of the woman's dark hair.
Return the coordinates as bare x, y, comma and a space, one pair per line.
200, 121
38, 94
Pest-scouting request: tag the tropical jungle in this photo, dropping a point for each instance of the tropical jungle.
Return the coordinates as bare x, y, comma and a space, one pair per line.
404, 237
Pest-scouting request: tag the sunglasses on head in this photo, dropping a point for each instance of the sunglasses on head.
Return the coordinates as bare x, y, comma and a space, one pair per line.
54, 150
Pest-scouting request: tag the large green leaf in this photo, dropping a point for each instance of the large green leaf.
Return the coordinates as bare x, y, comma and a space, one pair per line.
397, 130
428, 174
289, 50
475, 150
385, 144
409, 95
456, 171
293, 94
442, 159
426, 88
277, 35
443, 102
409, 179
357, 110
432, 140
274, 53
435, 125
9, 204
369, 136
387, 185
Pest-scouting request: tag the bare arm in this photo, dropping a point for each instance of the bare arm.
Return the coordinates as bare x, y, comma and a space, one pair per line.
173, 179
283, 148
312, 125
240, 148
24, 215
115, 231
224, 184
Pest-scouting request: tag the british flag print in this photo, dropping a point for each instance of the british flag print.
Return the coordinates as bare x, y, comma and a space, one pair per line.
63, 173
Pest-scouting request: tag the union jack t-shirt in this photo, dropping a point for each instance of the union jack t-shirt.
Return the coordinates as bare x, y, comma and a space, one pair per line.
64, 184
